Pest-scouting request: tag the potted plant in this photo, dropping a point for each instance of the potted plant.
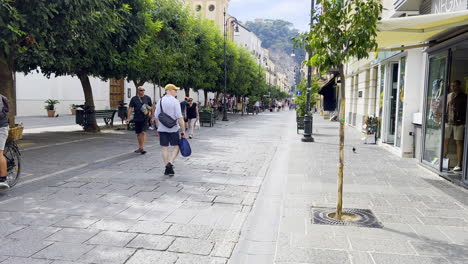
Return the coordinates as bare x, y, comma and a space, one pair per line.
50, 107
73, 109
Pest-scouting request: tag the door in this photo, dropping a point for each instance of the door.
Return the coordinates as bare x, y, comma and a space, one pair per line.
117, 92
392, 93
437, 81
400, 100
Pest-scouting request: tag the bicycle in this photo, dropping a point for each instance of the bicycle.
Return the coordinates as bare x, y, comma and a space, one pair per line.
13, 160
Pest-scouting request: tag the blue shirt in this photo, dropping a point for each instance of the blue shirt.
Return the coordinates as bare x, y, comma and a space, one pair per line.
171, 107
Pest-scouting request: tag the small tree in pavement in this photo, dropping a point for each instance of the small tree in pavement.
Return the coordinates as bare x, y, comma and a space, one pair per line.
345, 30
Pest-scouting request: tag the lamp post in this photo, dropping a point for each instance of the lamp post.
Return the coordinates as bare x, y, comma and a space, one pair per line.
308, 119
225, 65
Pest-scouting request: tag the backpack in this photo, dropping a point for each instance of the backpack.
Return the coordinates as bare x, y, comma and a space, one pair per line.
4, 107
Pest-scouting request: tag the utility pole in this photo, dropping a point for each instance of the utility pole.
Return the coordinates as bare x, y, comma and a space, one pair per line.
308, 119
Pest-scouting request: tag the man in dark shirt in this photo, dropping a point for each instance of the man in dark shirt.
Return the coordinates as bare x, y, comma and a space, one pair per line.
143, 108
183, 107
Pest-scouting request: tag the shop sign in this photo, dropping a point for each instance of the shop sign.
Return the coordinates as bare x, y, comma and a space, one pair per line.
446, 6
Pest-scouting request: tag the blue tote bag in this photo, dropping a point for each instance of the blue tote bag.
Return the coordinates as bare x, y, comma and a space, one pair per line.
184, 147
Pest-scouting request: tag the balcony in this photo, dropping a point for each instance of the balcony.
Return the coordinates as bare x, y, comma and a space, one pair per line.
406, 7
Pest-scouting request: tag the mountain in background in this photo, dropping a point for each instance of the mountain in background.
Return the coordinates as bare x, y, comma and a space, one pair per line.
277, 35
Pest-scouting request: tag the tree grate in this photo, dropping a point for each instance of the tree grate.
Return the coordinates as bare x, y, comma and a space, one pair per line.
366, 218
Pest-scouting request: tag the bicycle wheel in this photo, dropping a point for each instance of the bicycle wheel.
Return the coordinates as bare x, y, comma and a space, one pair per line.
13, 160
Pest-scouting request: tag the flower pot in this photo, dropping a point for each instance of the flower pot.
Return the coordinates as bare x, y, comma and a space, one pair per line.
50, 113
73, 111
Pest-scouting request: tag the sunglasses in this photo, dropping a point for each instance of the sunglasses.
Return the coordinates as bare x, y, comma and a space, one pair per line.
141, 90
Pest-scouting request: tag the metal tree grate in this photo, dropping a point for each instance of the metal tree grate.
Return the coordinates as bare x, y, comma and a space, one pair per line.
367, 218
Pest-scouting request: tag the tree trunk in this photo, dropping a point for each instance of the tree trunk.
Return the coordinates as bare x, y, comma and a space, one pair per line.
89, 101
187, 92
205, 93
7, 87
339, 205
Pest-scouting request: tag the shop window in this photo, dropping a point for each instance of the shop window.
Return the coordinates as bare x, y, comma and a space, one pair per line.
401, 98
434, 110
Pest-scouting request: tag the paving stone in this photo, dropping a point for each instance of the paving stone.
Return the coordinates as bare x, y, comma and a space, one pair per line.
143, 256
191, 231
17, 260
381, 245
224, 235
155, 242
435, 248
194, 259
223, 249
444, 221
458, 235
7, 228
360, 257
150, 227
111, 238
24, 248
64, 251
115, 224
406, 259
181, 216
104, 254
77, 222
306, 255
228, 200
37, 219
72, 235
192, 246
34, 233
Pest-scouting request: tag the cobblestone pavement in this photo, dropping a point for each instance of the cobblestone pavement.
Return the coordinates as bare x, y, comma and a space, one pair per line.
245, 196
123, 210
425, 218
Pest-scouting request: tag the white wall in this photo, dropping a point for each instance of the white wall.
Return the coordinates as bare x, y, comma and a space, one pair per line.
414, 91
33, 89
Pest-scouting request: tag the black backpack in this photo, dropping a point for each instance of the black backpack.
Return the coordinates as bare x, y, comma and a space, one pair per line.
4, 107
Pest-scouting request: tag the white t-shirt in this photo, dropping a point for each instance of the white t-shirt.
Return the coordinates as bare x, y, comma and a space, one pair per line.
171, 106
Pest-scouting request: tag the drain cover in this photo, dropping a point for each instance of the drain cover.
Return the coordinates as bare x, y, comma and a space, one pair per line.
365, 217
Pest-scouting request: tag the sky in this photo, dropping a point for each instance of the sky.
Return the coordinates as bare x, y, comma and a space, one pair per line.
295, 11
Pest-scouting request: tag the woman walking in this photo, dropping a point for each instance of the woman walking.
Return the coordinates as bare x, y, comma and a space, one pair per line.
192, 115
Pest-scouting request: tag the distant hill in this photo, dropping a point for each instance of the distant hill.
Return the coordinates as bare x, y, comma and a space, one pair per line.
277, 35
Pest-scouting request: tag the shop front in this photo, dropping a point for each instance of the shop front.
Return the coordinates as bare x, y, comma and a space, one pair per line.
444, 147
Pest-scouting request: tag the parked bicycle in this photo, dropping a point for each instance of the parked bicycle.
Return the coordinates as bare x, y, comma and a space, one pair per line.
13, 158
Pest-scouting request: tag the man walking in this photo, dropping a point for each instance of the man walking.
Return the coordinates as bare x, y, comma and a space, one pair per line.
143, 107
4, 109
169, 107
183, 109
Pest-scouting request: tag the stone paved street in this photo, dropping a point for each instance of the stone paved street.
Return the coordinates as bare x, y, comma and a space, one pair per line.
244, 196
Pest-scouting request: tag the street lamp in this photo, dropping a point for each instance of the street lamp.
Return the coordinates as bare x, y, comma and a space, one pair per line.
225, 64
308, 119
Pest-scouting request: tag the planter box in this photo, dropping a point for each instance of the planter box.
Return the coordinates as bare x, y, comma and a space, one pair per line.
51, 113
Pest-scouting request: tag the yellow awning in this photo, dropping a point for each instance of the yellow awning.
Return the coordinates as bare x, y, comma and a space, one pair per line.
413, 30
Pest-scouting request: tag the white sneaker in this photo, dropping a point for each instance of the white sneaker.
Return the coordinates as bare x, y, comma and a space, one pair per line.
457, 168
4, 185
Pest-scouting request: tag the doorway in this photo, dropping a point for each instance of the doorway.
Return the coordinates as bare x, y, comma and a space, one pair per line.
116, 92
392, 96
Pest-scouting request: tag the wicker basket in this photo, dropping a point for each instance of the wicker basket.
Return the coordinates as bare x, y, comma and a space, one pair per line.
15, 133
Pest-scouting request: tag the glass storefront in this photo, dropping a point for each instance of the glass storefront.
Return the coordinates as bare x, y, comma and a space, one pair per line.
392, 95
381, 97
401, 96
434, 109
445, 116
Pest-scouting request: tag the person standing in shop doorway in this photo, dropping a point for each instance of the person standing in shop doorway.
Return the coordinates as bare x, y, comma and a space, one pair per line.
143, 108
455, 121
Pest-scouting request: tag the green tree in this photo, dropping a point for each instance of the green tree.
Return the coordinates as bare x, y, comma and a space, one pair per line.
23, 25
88, 38
346, 29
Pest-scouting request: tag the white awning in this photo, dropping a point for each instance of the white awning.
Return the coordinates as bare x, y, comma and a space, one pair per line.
414, 30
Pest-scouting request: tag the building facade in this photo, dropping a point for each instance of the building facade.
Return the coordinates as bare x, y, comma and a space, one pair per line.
409, 86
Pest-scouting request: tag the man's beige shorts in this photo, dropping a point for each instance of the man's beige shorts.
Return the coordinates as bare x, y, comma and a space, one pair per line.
457, 131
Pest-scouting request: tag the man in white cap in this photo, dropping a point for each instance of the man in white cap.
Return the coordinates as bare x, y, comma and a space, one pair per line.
170, 122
